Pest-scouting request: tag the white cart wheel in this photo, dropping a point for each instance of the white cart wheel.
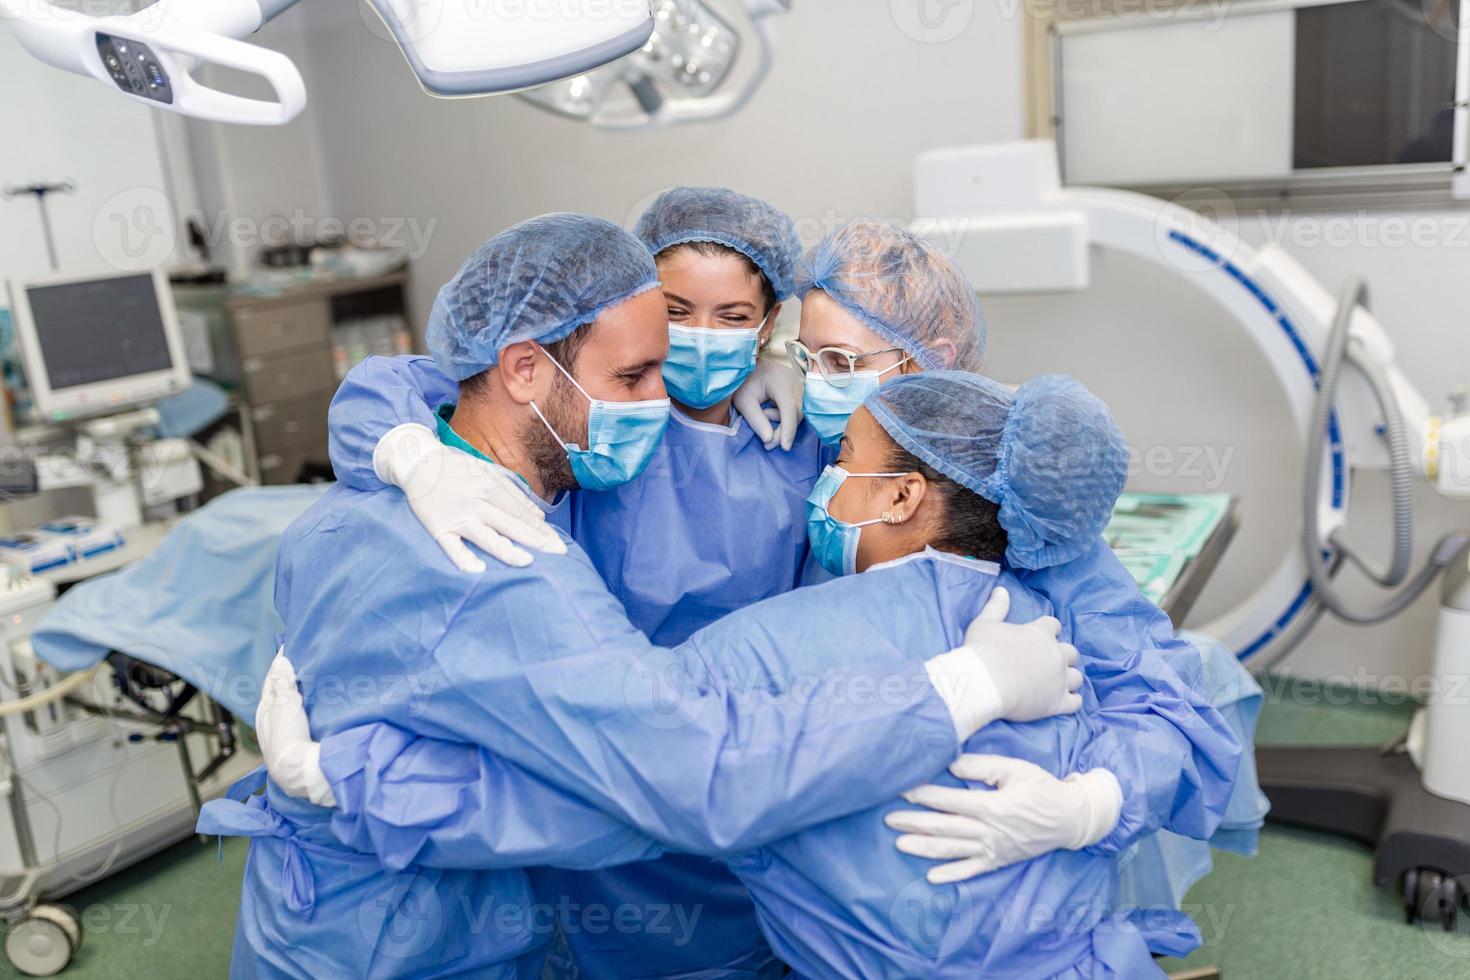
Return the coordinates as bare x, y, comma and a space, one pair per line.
64, 918
38, 946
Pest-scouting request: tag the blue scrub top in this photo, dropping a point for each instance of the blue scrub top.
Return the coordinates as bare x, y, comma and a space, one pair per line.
715, 524
836, 897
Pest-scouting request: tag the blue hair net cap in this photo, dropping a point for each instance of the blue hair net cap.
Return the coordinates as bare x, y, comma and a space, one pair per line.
749, 225
538, 280
1049, 454
903, 288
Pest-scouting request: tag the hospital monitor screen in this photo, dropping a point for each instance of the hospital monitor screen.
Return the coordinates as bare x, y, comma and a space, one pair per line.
98, 344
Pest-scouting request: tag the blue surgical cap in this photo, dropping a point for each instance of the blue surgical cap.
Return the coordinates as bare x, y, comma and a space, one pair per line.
1049, 454
904, 289
538, 280
750, 226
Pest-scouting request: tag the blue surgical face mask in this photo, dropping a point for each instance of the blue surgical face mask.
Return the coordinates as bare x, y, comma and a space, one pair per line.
706, 365
828, 407
835, 543
621, 438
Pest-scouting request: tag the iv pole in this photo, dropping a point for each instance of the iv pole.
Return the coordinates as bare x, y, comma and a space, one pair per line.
39, 191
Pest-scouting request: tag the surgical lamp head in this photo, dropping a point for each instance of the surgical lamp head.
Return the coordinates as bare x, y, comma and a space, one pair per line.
703, 61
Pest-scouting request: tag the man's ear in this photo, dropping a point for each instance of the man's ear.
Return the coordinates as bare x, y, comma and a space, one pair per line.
770, 327
522, 371
905, 495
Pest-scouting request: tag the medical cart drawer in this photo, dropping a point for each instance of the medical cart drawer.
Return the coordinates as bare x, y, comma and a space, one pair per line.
288, 376
281, 426
270, 329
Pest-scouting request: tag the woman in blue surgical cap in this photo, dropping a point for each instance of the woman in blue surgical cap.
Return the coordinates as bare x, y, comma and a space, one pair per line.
879, 303
714, 524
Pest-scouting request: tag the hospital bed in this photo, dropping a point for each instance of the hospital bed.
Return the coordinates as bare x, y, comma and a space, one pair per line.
119, 702
99, 770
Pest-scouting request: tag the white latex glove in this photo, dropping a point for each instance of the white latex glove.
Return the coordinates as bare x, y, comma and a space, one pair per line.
460, 499
1010, 671
777, 381
291, 757
1029, 813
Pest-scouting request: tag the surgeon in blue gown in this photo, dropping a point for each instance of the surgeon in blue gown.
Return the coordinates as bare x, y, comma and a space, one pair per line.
713, 525
556, 330
877, 304
939, 476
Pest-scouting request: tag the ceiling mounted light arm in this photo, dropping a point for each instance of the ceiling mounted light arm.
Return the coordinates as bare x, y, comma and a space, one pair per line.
149, 56
233, 18
686, 72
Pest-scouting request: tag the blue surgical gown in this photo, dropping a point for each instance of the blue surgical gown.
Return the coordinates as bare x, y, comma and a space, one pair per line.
1161, 733
714, 524
837, 899
1157, 871
1136, 662
541, 665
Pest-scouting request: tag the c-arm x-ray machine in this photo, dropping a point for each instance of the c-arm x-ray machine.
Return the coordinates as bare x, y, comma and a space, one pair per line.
1003, 214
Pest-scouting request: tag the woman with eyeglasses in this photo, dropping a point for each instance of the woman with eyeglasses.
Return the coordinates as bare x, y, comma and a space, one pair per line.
705, 531
877, 303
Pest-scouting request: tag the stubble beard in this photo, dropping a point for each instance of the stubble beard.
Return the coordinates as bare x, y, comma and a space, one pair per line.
547, 455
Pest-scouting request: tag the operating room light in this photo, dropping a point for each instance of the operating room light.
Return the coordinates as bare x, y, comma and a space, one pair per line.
455, 48
686, 71
691, 47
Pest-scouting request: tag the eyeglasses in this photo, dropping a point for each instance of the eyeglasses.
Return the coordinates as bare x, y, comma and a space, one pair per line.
834, 364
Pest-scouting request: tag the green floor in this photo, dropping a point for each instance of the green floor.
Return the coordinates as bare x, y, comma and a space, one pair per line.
172, 916
1304, 908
